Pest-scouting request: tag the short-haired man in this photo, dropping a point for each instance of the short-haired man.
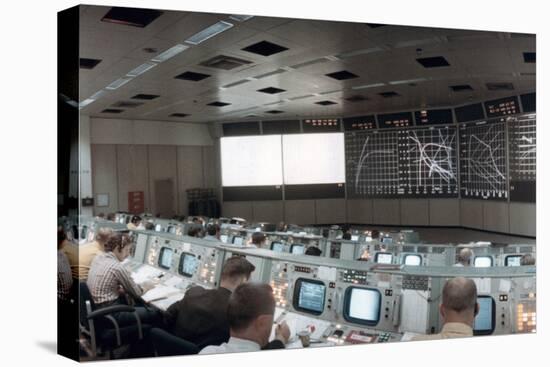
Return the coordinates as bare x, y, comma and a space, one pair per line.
134, 222
107, 278
465, 257
88, 252
458, 310
212, 232
258, 239
64, 278
313, 251
527, 259
201, 316
250, 314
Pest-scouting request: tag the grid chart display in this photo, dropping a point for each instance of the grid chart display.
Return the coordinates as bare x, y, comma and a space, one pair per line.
419, 162
428, 162
483, 173
522, 137
372, 164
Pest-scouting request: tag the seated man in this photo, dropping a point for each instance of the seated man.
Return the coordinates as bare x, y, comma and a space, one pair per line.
465, 257
88, 252
313, 251
64, 278
527, 259
212, 232
458, 310
250, 315
108, 279
134, 222
258, 239
200, 317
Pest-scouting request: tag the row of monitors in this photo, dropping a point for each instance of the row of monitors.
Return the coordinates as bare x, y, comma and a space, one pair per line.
483, 261
362, 305
188, 263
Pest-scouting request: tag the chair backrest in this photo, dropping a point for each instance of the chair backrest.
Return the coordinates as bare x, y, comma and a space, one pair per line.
85, 295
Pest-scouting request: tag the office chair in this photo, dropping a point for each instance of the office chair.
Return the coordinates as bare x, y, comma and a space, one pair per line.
102, 328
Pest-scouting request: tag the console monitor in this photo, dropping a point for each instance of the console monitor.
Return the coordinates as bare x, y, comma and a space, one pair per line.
355, 237
188, 264
387, 240
512, 260
297, 249
362, 305
165, 258
309, 296
237, 240
483, 261
484, 323
223, 238
158, 228
383, 258
412, 260
277, 247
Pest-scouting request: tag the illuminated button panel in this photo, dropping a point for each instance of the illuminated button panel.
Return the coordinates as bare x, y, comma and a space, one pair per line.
279, 283
354, 276
416, 282
207, 268
526, 316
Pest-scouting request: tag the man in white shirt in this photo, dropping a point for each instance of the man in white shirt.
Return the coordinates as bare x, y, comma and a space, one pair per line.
465, 257
250, 315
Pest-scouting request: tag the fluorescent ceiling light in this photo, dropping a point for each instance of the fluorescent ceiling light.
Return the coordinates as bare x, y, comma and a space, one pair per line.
240, 18
209, 32
397, 82
365, 51
118, 83
368, 86
420, 42
141, 69
97, 94
85, 102
171, 52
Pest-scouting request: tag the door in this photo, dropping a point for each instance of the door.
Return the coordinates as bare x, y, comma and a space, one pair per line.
164, 198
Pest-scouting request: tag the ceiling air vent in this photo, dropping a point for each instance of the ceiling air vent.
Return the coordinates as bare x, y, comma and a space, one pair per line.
500, 86
127, 104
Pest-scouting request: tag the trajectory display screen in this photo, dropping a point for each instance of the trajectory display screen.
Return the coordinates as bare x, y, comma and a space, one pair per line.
383, 258
238, 240
165, 258
277, 247
483, 261
297, 249
251, 161
309, 296
512, 260
413, 260
223, 238
314, 159
355, 237
362, 305
484, 323
188, 264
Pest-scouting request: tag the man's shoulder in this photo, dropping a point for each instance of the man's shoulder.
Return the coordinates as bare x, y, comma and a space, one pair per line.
214, 349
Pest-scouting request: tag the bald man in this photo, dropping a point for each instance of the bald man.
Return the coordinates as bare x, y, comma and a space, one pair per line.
458, 310
465, 257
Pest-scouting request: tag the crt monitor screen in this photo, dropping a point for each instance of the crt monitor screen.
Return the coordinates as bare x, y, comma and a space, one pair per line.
165, 258
484, 323
412, 260
309, 296
158, 228
383, 258
277, 247
387, 240
512, 260
297, 249
362, 305
223, 238
355, 237
238, 240
483, 261
188, 264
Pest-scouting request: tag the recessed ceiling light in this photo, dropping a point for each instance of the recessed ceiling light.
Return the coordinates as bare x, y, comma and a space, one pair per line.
97, 94
118, 83
209, 32
141, 69
357, 87
171, 52
240, 18
86, 102
397, 82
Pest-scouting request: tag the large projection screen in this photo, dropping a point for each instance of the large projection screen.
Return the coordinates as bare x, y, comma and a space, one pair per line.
251, 161
314, 159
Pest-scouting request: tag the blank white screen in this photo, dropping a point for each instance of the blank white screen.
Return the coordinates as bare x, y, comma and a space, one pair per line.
384, 258
314, 158
413, 260
482, 262
364, 304
251, 161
